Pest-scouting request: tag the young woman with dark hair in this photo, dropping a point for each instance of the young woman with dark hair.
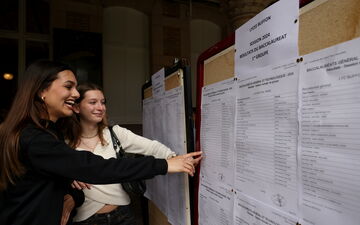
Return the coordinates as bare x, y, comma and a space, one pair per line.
36, 165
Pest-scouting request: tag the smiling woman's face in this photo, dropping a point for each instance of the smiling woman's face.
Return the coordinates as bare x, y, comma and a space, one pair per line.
61, 95
92, 108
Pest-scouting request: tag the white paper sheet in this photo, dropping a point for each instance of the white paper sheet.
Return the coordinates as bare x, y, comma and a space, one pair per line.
147, 126
159, 124
178, 208
164, 120
266, 136
215, 205
158, 83
148, 132
175, 120
157, 187
248, 211
217, 132
269, 37
157, 192
329, 140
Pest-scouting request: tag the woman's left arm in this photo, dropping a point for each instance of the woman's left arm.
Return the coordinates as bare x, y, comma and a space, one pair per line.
134, 143
69, 205
73, 199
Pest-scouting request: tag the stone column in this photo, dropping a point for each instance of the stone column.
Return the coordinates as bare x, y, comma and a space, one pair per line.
240, 11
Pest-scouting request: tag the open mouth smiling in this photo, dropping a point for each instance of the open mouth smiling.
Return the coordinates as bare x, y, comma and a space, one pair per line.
70, 102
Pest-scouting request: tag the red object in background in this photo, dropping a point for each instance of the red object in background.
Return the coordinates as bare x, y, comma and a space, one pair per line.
304, 2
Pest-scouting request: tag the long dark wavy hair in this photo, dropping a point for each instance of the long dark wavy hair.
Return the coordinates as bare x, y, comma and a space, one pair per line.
27, 107
72, 130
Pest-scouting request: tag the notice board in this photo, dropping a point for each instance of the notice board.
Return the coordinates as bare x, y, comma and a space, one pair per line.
322, 23
176, 119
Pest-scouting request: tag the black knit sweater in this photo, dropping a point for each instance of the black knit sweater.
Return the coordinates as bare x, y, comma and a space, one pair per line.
37, 197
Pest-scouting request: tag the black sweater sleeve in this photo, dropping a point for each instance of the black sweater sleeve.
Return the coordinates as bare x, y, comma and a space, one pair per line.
48, 155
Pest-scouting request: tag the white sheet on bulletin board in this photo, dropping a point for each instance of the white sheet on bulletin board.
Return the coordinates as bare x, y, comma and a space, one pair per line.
148, 105
329, 141
217, 133
216, 204
284, 173
158, 83
250, 211
176, 140
266, 136
269, 37
164, 121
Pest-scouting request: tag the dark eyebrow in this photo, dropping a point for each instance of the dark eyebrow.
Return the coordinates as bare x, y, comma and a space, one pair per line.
71, 82
96, 99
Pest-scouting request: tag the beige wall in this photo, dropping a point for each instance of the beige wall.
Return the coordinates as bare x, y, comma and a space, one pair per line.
125, 62
139, 38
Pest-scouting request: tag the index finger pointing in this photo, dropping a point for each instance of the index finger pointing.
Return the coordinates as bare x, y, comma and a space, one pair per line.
193, 154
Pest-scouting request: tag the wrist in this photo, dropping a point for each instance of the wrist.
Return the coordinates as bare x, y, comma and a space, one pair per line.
172, 155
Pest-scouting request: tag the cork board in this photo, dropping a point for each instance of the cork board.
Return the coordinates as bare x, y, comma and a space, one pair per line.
173, 79
148, 92
156, 217
322, 23
220, 66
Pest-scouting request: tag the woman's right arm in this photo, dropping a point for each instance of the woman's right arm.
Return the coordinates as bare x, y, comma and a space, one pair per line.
53, 157
182, 163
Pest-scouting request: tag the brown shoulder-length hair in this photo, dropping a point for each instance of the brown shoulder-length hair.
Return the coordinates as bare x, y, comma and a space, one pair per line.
73, 131
27, 107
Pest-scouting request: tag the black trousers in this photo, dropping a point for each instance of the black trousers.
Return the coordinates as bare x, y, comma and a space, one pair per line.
122, 215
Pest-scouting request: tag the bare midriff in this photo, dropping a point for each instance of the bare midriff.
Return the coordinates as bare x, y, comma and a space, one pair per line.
107, 209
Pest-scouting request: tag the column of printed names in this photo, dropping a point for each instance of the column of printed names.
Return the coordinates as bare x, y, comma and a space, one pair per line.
330, 135
266, 137
217, 142
176, 141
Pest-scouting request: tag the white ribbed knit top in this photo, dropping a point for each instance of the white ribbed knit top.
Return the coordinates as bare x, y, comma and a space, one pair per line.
113, 194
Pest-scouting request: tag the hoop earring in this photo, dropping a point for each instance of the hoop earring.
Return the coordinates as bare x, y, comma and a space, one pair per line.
43, 98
